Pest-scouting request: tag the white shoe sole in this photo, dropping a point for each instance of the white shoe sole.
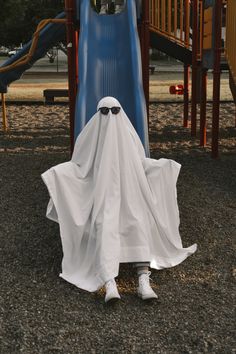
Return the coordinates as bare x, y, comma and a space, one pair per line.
112, 300
148, 297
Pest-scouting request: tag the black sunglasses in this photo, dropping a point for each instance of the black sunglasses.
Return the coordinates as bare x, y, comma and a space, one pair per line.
105, 110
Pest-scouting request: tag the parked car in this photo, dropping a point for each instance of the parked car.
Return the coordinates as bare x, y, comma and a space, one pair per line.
3, 51
14, 51
11, 52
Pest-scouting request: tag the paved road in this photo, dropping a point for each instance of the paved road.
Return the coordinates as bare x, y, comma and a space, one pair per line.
54, 75
59, 65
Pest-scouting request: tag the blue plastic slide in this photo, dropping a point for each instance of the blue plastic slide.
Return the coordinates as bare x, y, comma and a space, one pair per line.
110, 65
49, 36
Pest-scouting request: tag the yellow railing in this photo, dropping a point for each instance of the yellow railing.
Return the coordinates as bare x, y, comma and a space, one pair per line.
173, 18
230, 47
27, 57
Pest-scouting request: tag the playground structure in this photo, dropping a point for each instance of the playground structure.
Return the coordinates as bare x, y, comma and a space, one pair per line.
230, 50
189, 31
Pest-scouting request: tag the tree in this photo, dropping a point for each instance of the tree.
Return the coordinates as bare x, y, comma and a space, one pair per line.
19, 18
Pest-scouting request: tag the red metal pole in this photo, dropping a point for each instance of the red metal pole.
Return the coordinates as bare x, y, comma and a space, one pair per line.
203, 108
186, 22
71, 57
186, 94
145, 45
216, 80
194, 67
76, 57
186, 66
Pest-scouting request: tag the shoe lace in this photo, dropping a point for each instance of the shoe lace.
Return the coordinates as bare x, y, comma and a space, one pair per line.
110, 283
144, 279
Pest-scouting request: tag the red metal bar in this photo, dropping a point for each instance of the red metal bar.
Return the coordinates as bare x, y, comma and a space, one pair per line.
203, 131
169, 16
201, 28
163, 15
186, 23
186, 67
145, 42
72, 71
181, 18
194, 67
203, 108
158, 14
175, 17
152, 12
216, 80
186, 94
76, 57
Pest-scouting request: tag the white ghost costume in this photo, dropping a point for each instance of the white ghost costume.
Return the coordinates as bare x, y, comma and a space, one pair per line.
113, 204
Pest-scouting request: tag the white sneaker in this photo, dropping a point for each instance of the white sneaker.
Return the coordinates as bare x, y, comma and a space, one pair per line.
144, 289
112, 294
103, 10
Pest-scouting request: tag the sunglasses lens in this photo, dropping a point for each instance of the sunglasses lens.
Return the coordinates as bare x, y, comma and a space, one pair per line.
115, 110
104, 110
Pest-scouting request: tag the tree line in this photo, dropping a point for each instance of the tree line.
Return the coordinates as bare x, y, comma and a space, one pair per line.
19, 18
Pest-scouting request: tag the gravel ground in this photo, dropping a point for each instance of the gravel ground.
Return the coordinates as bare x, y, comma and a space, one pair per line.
41, 313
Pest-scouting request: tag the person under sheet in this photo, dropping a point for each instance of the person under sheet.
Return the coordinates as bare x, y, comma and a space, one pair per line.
114, 205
